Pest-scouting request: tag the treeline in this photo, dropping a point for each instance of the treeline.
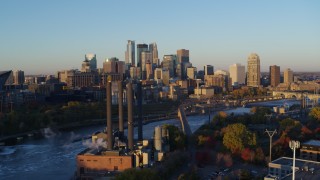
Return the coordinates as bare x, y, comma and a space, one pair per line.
34, 116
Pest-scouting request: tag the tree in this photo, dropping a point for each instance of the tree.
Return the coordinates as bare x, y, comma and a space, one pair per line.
177, 140
287, 123
315, 113
237, 137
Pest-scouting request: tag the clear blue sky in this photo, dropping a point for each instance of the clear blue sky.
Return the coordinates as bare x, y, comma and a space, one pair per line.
40, 36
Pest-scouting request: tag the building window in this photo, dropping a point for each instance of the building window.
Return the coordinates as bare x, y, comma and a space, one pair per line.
115, 168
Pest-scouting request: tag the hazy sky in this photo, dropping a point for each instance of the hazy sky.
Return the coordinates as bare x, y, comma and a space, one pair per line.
40, 36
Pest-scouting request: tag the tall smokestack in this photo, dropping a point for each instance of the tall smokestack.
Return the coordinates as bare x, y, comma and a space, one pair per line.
130, 115
140, 135
109, 120
120, 102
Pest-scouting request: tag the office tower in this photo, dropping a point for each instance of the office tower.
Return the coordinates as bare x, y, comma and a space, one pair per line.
145, 57
191, 72
274, 75
218, 80
253, 75
149, 70
154, 50
183, 59
184, 67
208, 70
179, 71
237, 74
113, 65
288, 76
158, 73
183, 55
92, 61
130, 53
165, 77
140, 48
135, 72
169, 63
18, 77
85, 67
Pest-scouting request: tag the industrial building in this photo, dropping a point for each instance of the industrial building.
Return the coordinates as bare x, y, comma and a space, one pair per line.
112, 151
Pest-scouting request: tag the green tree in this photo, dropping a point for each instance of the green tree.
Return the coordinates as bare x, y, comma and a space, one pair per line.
177, 138
315, 113
237, 137
287, 123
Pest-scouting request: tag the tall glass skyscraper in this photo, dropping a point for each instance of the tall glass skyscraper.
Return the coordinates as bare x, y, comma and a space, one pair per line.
130, 53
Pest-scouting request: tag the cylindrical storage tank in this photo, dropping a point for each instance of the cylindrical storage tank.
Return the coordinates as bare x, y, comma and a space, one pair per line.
157, 138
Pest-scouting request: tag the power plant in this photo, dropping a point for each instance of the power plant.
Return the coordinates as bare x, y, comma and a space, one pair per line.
111, 151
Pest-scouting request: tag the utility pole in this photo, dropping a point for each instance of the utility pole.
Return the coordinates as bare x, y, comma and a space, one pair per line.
294, 145
270, 133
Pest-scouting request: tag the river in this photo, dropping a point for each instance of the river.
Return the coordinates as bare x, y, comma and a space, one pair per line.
53, 157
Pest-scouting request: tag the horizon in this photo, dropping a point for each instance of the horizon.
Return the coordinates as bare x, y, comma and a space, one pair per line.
46, 37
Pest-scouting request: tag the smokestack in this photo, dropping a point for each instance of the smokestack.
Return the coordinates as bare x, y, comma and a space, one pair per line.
140, 135
109, 120
130, 115
120, 102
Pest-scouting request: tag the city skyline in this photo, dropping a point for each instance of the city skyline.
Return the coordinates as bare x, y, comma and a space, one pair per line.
45, 37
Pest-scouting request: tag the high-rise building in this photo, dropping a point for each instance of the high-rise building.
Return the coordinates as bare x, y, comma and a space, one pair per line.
149, 70
135, 72
274, 75
183, 56
237, 74
130, 53
163, 75
140, 48
253, 75
92, 58
113, 65
85, 67
288, 76
208, 69
191, 72
169, 63
145, 57
154, 50
18, 77
218, 80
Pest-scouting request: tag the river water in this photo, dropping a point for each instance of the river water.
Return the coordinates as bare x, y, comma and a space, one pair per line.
53, 157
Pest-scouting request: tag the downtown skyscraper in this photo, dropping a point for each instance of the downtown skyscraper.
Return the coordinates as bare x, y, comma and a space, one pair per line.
253, 75
154, 51
288, 76
237, 74
274, 76
130, 54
